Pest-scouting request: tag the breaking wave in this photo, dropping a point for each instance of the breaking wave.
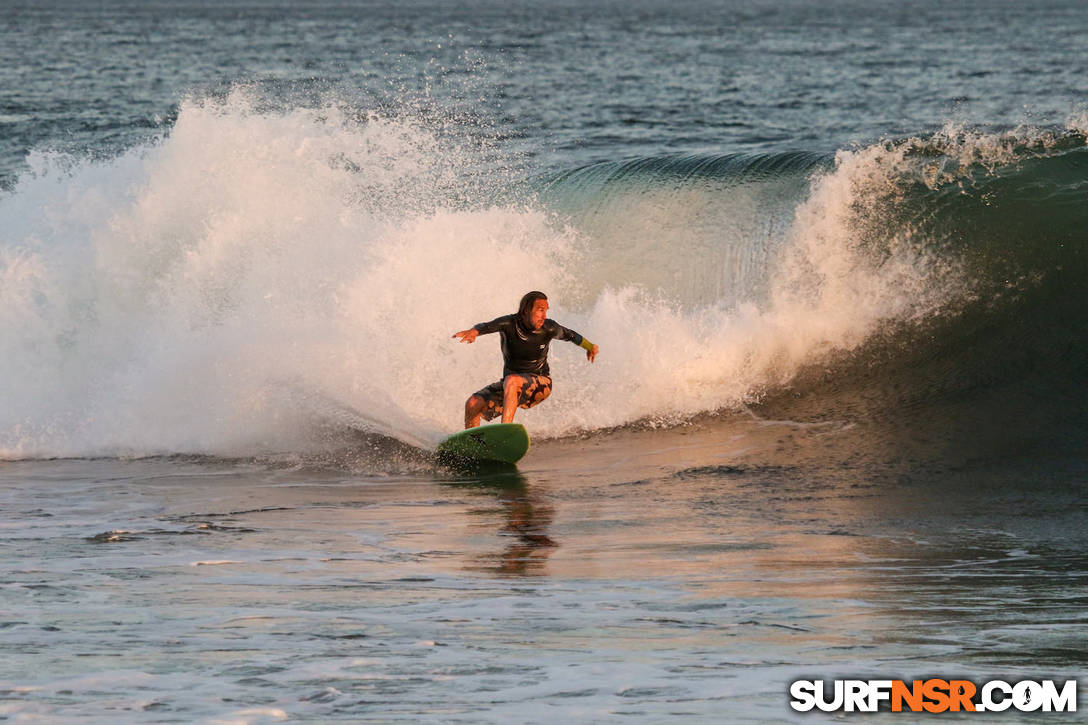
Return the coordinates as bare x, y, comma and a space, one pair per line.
256, 277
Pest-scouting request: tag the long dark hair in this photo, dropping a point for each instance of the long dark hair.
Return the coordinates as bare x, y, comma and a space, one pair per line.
526, 306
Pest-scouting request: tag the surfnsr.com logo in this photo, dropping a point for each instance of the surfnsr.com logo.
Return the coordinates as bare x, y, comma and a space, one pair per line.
933, 695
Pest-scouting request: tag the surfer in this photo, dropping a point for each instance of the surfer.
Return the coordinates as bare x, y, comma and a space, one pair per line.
526, 379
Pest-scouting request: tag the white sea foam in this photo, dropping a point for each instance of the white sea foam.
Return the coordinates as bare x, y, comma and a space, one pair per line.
250, 716
216, 562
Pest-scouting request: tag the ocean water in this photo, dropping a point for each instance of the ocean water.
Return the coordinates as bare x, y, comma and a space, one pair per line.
834, 255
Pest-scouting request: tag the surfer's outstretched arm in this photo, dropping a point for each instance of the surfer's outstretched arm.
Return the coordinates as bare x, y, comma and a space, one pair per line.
565, 333
483, 328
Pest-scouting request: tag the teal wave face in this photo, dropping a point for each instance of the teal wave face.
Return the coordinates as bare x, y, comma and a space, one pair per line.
1002, 368
686, 168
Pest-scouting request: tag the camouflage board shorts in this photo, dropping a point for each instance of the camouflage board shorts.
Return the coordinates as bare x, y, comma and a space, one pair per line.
534, 390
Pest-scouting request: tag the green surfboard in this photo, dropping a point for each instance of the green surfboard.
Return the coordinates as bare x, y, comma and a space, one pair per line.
502, 442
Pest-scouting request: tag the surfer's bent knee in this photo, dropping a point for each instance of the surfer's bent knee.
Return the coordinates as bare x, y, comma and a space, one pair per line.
527, 389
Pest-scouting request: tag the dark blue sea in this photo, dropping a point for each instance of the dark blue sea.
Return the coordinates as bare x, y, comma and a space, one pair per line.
835, 256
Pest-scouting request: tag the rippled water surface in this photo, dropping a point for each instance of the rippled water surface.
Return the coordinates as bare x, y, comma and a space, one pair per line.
694, 578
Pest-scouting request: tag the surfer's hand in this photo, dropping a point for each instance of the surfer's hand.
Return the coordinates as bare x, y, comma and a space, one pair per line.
591, 354
468, 335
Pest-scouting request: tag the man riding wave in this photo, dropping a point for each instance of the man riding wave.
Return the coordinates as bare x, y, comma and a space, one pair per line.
526, 378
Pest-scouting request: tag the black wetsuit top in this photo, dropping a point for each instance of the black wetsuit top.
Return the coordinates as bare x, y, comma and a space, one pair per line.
525, 350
